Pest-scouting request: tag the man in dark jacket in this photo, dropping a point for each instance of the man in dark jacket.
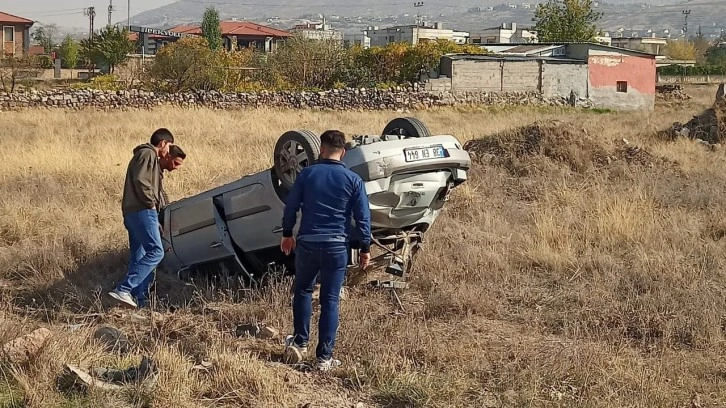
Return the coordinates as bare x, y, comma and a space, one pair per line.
140, 204
160, 136
171, 162
328, 194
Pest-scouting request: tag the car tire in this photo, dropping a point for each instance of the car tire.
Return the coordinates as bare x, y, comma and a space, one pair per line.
409, 127
294, 150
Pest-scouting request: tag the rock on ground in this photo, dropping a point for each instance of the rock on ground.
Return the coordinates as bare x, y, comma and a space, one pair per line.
23, 348
709, 126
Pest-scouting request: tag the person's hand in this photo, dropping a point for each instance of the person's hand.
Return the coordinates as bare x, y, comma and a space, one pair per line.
364, 259
287, 245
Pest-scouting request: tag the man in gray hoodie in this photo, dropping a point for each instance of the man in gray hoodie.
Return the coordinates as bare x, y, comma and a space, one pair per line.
141, 201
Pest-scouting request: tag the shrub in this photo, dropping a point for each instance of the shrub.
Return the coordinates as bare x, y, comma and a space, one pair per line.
189, 64
695, 70
298, 64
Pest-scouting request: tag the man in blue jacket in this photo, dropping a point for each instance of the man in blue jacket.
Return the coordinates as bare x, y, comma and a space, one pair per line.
328, 194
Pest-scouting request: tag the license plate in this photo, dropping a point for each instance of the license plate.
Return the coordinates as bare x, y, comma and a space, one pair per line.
423, 153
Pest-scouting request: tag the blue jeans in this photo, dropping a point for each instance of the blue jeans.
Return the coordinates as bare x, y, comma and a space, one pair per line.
329, 259
145, 253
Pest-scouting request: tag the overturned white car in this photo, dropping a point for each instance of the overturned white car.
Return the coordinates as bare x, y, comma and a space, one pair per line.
408, 175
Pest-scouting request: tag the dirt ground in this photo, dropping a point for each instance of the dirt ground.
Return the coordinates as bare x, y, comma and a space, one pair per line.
580, 265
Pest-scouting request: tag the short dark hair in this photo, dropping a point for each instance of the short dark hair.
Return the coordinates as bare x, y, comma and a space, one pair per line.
161, 134
176, 151
334, 139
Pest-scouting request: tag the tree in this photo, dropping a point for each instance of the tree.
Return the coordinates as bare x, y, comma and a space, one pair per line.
701, 44
70, 52
716, 55
681, 50
15, 69
187, 64
43, 35
307, 63
211, 29
111, 47
566, 21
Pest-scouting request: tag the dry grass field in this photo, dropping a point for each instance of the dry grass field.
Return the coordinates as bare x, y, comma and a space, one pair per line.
552, 279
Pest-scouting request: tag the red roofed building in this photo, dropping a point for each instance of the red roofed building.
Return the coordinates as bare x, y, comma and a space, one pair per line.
235, 34
15, 34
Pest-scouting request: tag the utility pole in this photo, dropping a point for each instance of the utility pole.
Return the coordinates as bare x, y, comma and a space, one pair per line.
685, 25
418, 14
110, 10
128, 16
91, 13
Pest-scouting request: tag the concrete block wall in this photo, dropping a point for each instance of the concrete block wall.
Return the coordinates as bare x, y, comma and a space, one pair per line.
561, 79
441, 84
553, 80
520, 76
438, 85
476, 76
692, 79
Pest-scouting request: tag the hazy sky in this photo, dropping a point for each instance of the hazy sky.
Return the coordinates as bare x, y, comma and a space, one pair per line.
69, 13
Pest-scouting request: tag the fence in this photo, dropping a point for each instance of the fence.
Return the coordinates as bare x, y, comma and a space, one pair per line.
691, 79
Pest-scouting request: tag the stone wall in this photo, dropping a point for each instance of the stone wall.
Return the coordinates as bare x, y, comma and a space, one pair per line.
344, 99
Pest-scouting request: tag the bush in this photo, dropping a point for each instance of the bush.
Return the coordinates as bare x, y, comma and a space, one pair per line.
189, 64
306, 64
298, 64
677, 70
45, 62
100, 82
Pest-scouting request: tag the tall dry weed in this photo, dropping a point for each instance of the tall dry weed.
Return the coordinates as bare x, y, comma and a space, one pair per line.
559, 284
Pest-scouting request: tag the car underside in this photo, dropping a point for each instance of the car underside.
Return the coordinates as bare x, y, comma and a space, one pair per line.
236, 228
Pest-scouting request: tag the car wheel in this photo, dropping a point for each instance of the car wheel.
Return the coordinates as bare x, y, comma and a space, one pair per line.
408, 127
295, 150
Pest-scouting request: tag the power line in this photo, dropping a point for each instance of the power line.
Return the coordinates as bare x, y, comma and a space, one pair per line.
39, 18
48, 11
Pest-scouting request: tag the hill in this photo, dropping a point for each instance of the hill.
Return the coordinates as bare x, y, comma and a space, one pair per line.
469, 15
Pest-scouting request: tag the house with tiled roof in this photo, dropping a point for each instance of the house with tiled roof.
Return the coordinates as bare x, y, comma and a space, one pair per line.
15, 34
235, 35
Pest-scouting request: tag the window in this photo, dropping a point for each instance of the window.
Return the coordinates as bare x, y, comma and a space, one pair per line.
622, 86
9, 34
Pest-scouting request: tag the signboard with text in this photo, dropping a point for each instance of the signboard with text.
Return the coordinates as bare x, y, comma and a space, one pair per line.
156, 31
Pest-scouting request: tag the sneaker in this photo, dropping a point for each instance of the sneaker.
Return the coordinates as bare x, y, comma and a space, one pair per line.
293, 354
327, 365
123, 297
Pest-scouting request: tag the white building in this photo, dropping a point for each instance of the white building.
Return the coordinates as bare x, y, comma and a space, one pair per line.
317, 31
504, 34
460, 37
358, 39
414, 34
